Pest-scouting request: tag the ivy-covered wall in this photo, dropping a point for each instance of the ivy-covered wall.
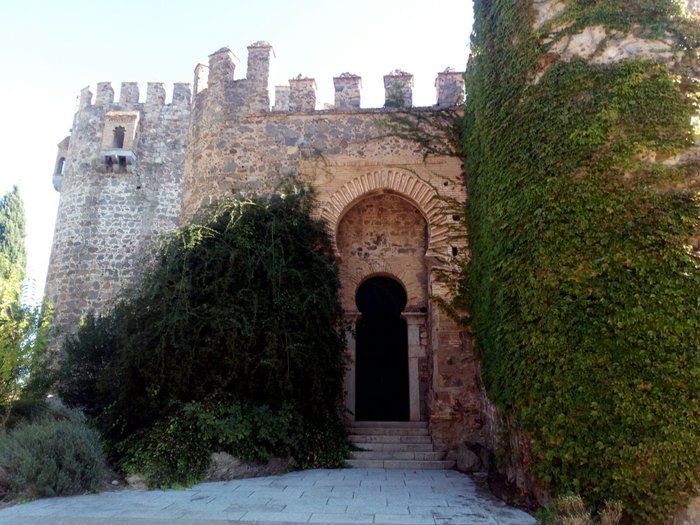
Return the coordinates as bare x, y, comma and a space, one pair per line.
584, 282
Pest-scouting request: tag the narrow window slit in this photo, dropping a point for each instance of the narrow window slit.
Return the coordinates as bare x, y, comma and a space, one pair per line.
118, 138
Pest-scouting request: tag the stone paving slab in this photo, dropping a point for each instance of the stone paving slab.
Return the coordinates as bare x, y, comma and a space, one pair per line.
331, 497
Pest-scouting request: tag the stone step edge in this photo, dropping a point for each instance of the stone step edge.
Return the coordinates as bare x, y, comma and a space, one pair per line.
363, 438
401, 464
388, 424
397, 454
394, 447
390, 431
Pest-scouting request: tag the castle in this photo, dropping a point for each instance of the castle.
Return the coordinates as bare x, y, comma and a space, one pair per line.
132, 170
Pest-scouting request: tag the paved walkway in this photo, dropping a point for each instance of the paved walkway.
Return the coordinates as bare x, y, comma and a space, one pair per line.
400, 497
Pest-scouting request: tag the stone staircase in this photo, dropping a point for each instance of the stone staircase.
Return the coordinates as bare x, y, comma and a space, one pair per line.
394, 444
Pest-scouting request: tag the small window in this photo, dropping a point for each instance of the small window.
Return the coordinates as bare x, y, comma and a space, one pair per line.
455, 251
61, 166
118, 138
122, 164
109, 164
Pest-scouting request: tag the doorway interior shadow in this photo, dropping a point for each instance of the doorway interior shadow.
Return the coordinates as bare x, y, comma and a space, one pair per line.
381, 358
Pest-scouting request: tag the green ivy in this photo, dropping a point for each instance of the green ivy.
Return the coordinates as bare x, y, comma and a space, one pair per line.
583, 290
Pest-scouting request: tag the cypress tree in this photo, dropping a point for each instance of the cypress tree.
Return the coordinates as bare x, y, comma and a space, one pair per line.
12, 233
23, 328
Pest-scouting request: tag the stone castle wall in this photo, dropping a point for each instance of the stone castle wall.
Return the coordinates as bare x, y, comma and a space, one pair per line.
133, 170
390, 210
109, 215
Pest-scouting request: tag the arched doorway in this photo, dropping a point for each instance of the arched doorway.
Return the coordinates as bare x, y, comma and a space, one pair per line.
381, 352
380, 235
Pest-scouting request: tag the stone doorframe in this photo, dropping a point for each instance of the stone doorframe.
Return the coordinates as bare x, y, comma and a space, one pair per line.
433, 186
414, 321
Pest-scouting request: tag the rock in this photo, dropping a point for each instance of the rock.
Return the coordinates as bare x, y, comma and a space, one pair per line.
467, 460
485, 456
115, 482
224, 467
690, 515
137, 481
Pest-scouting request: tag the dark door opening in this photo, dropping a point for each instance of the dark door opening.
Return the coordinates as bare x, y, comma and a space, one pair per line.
381, 352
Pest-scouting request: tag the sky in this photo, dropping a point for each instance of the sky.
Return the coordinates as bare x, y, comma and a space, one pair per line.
49, 50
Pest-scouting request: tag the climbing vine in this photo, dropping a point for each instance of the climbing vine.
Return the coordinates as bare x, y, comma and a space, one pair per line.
583, 287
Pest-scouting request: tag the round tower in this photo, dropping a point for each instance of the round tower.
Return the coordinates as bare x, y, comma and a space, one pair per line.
119, 174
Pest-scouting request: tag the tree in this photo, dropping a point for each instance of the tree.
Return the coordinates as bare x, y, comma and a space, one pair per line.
22, 327
12, 233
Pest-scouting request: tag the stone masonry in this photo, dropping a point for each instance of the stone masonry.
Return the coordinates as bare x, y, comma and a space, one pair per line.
115, 201
133, 170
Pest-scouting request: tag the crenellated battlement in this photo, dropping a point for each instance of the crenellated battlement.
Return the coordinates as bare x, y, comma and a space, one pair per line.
215, 84
128, 120
129, 94
249, 95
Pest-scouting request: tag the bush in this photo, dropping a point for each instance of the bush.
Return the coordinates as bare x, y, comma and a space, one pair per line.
321, 445
81, 377
176, 451
52, 457
571, 510
171, 453
241, 306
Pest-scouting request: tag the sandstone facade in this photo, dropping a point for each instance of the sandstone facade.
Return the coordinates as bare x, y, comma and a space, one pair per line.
132, 170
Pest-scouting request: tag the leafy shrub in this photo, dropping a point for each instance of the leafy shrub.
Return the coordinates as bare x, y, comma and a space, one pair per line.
173, 452
176, 451
583, 286
26, 410
571, 510
52, 457
321, 445
248, 431
241, 306
82, 377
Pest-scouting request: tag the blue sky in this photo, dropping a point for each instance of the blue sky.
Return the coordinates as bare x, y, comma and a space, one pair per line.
49, 50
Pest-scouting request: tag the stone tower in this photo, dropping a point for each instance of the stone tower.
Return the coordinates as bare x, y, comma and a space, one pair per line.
119, 174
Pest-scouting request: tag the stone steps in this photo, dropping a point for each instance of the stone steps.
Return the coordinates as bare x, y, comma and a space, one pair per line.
394, 445
388, 424
400, 464
364, 438
397, 454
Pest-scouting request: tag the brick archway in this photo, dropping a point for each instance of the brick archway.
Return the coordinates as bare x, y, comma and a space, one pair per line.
409, 186
383, 232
